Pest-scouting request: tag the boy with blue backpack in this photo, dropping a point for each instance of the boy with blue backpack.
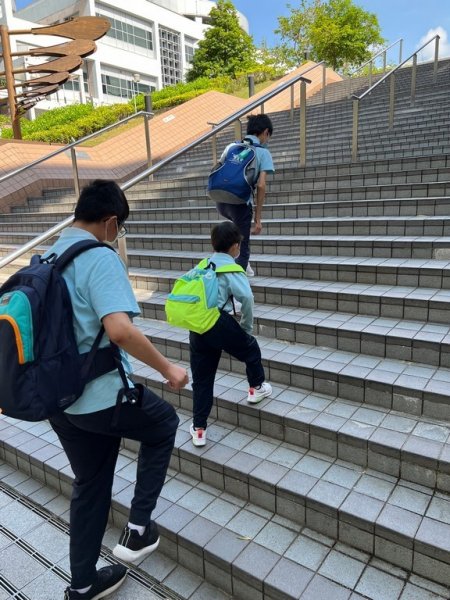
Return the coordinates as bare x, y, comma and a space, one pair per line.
242, 169
226, 333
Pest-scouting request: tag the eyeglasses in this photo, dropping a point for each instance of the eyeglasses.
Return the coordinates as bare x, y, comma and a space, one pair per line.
121, 230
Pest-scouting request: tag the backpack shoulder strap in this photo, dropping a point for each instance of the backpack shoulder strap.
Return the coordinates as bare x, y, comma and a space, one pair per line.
77, 249
231, 268
250, 142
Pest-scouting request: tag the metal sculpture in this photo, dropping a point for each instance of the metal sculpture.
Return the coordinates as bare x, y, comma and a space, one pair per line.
23, 95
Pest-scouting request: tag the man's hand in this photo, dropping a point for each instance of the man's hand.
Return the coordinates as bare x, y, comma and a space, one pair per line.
257, 228
176, 376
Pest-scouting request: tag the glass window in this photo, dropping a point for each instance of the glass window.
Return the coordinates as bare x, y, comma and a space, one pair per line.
170, 43
129, 33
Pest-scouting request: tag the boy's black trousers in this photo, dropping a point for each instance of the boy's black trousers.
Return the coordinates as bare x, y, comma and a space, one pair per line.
92, 447
241, 215
206, 350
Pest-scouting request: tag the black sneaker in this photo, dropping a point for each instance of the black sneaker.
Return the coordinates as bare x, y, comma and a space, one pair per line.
132, 547
109, 579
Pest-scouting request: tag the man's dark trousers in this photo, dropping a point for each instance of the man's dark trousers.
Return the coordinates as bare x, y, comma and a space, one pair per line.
241, 215
92, 447
206, 350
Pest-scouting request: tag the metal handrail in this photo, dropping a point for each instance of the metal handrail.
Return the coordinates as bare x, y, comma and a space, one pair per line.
162, 163
73, 145
391, 75
383, 52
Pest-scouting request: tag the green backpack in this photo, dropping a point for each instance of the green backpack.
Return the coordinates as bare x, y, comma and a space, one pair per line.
192, 304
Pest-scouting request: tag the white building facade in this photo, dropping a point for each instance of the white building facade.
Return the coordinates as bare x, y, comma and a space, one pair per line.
150, 44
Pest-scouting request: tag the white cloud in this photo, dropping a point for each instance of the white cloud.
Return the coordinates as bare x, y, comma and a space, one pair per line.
444, 44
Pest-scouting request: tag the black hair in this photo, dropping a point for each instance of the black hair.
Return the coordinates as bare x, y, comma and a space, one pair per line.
257, 124
224, 235
102, 198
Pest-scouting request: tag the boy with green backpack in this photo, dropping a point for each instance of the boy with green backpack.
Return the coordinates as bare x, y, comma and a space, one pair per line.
201, 301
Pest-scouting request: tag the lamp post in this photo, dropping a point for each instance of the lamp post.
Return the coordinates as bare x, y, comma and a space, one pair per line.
136, 79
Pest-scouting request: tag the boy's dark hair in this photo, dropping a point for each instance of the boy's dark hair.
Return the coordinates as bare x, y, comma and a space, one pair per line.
101, 198
258, 123
224, 235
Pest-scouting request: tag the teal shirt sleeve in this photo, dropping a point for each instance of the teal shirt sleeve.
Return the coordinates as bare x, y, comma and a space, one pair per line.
108, 288
238, 286
265, 160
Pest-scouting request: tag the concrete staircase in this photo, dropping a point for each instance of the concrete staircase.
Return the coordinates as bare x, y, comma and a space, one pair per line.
338, 486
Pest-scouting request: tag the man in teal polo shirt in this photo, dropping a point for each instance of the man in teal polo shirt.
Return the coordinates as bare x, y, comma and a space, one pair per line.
101, 294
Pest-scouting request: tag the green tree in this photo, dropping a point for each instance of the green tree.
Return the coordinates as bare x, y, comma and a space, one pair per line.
226, 48
336, 31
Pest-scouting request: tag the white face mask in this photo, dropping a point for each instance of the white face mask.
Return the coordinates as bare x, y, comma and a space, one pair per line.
111, 242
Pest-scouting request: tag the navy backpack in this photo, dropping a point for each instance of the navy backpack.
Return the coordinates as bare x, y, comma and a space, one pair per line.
233, 179
41, 370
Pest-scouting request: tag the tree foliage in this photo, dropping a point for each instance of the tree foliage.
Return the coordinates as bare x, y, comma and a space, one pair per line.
336, 31
226, 49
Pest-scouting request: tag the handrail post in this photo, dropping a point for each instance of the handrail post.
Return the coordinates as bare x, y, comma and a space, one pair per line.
122, 244
262, 108
384, 62
355, 129
324, 82
292, 104
148, 144
214, 149
392, 101
436, 59
76, 180
238, 129
370, 74
413, 80
400, 51
302, 124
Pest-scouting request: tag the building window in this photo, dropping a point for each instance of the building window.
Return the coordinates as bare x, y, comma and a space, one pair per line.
128, 34
189, 49
122, 88
170, 45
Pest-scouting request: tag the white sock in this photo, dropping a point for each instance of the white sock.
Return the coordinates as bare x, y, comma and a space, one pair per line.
139, 528
81, 590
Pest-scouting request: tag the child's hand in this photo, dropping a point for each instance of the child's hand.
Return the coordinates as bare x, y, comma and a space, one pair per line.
176, 376
257, 228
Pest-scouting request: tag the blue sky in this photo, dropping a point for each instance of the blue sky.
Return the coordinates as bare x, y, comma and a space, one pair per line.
414, 20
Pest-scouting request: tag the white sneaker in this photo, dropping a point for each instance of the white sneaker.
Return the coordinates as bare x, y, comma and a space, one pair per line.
250, 272
198, 435
257, 394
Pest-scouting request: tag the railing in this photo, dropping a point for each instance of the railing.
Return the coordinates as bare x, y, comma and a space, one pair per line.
72, 148
383, 52
152, 169
391, 76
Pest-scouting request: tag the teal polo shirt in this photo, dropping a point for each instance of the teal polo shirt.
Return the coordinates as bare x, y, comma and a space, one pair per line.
98, 286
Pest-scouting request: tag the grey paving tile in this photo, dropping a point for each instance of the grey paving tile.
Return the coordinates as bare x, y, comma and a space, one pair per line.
275, 537
158, 565
44, 587
18, 567
196, 500
342, 569
409, 499
49, 541
183, 582
379, 586
307, 552
312, 466
220, 511
439, 509
399, 520
434, 533
226, 546
208, 592
342, 476
246, 524
18, 519
328, 493
412, 592
322, 588
288, 578
255, 562
374, 487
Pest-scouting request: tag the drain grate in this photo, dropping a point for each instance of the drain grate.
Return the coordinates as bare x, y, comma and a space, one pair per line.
139, 576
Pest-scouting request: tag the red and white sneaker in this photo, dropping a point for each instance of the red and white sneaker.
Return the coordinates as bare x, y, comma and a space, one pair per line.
257, 394
198, 435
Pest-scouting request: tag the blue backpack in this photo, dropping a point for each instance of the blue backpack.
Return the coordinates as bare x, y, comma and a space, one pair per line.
41, 370
233, 180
